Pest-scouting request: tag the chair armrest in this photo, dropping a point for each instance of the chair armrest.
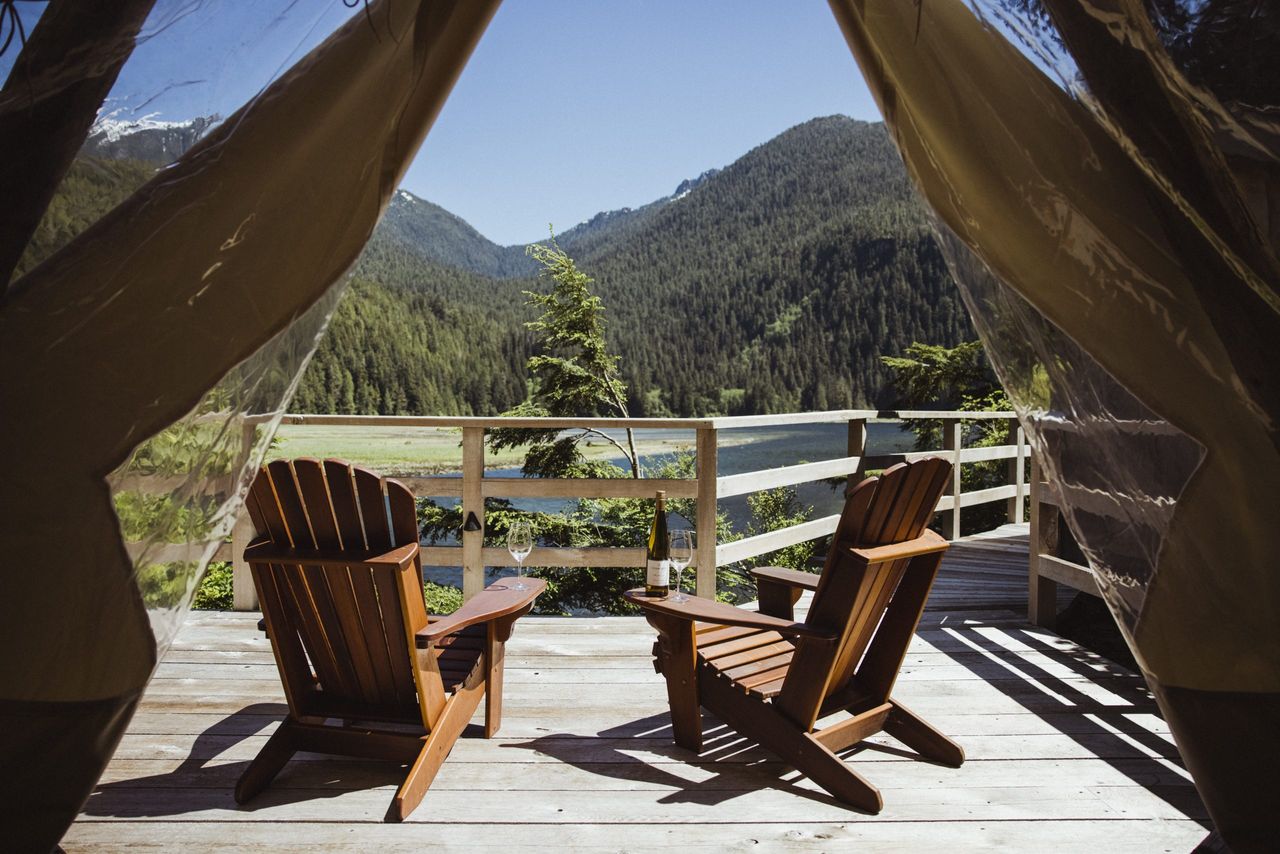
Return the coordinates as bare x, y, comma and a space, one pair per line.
263, 551
926, 543
789, 577
710, 611
496, 601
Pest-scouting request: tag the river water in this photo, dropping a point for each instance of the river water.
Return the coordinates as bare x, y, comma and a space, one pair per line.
752, 449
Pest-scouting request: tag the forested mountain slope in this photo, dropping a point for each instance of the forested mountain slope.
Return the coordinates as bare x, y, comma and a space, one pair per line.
772, 284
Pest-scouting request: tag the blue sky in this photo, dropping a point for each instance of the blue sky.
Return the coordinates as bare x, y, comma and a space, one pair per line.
570, 108
567, 108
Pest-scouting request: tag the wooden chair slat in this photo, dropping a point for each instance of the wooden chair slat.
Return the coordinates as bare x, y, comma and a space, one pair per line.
851, 518
346, 511
708, 633
329, 653
346, 635
404, 513
883, 504
919, 509
291, 657
295, 517
902, 511
314, 496
373, 509
392, 630
762, 677
725, 663
377, 531
866, 624
352, 636
264, 511
758, 638
297, 595
770, 689
462, 641
774, 662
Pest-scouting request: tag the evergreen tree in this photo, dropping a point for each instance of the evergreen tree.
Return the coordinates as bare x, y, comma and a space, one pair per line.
573, 372
957, 378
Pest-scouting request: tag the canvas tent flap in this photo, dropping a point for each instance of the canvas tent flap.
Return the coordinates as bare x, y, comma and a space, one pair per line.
1088, 270
1106, 183
135, 355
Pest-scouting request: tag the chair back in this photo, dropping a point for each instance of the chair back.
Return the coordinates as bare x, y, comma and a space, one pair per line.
338, 632
851, 598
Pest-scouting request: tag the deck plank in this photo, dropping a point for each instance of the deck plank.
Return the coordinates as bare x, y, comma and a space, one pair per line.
1065, 750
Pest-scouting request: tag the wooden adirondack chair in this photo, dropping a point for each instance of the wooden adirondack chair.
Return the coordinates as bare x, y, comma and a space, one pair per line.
772, 678
366, 673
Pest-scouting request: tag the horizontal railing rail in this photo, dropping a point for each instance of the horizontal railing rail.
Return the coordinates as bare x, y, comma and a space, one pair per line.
706, 488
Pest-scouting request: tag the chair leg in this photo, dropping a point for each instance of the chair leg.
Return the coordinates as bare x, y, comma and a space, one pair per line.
676, 660
910, 729
834, 774
768, 728
415, 785
278, 750
435, 749
493, 661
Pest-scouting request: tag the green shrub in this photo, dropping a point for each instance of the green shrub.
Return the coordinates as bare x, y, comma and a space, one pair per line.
214, 592
441, 598
163, 585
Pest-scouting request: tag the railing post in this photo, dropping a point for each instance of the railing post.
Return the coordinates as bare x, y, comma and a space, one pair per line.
952, 439
706, 521
1042, 592
472, 502
244, 596
857, 448
1017, 472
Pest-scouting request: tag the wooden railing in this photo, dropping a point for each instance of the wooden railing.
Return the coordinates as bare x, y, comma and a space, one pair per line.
1047, 568
707, 487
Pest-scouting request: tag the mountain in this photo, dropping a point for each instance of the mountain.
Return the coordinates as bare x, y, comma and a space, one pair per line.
777, 283
91, 187
439, 237
772, 284
146, 139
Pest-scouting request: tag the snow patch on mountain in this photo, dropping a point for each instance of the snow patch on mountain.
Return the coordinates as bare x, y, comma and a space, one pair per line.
148, 137
688, 185
112, 129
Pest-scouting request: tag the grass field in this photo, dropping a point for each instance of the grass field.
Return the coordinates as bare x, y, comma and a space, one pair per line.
434, 450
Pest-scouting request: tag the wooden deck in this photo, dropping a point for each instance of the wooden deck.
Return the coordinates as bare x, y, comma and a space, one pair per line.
1065, 752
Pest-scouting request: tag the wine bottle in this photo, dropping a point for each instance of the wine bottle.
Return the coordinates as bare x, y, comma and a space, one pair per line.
657, 580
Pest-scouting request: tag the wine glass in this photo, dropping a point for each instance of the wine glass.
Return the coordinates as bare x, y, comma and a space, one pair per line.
680, 552
520, 544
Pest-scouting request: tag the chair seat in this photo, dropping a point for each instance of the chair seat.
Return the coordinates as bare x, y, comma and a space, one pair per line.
755, 660
458, 655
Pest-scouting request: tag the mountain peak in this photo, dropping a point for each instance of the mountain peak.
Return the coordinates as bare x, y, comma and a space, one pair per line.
688, 185
147, 138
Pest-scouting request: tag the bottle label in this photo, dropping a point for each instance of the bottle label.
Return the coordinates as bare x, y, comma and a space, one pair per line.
658, 573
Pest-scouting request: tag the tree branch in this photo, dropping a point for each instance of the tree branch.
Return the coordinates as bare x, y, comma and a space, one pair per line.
612, 441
